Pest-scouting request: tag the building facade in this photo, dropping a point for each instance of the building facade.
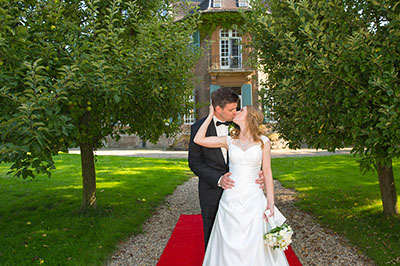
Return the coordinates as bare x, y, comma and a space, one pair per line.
225, 61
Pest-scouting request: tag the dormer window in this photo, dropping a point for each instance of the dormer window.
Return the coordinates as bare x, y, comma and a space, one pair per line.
241, 3
215, 3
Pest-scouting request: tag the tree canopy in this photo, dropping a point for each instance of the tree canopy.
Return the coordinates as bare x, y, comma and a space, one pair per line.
74, 72
333, 77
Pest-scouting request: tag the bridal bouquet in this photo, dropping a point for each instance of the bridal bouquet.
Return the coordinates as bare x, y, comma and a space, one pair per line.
279, 237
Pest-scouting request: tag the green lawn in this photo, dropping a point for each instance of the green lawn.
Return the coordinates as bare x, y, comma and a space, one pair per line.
334, 191
40, 221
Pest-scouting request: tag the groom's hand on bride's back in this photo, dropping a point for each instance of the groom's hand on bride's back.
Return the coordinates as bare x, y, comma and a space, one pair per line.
260, 180
226, 182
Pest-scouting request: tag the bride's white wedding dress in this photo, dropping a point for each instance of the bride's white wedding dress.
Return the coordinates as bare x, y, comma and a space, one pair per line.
237, 234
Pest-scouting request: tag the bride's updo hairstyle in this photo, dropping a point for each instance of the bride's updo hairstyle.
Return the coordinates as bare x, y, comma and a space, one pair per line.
253, 120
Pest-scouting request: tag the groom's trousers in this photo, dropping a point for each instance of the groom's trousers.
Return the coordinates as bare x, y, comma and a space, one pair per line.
208, 213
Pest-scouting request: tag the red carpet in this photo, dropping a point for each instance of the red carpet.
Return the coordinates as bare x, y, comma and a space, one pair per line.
186, 245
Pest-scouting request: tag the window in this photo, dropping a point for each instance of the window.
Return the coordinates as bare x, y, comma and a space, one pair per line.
241, 3
188, 119
245, 95
269, 114
215, 3
238, 91
194, 39
230, 49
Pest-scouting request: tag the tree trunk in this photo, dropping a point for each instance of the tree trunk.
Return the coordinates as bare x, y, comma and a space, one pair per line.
388, 189
88, 169
88, 176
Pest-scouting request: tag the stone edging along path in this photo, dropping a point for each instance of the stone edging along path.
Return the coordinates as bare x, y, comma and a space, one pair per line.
313, 244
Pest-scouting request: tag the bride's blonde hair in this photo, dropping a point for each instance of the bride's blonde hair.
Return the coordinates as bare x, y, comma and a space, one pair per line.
253, 120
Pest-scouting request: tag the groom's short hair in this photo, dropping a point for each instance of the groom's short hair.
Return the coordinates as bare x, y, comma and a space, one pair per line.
223, 96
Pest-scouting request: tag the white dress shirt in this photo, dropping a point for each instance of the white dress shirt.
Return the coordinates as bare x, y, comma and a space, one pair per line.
222, 130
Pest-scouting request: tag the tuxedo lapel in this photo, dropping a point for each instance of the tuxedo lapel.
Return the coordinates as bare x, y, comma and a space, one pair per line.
212, 131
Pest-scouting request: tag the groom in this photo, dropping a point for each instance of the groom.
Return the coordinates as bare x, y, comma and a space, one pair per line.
211, 164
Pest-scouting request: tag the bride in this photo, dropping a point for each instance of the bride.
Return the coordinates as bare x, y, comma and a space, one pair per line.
237, 234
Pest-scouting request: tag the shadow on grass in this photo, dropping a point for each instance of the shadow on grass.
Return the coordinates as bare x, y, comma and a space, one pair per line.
40, 219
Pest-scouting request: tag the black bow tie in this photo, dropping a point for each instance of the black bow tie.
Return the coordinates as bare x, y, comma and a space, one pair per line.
226, 123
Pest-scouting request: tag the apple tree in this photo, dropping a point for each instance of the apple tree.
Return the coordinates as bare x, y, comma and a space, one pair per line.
74, 72
333, 77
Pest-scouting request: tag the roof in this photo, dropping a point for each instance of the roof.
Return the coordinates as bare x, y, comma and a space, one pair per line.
183, 7
226, 5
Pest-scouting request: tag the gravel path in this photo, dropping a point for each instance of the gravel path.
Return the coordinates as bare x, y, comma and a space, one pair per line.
184, 154
313, 244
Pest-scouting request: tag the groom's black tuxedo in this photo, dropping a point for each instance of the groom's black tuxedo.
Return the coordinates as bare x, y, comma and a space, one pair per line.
209, 165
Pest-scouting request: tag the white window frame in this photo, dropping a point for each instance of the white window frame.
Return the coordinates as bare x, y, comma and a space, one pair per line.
189, 119
240, 101
242, 3
225, 41
215, 3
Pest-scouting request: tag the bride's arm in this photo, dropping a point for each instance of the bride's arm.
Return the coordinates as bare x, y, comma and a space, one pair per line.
269, 182
209, 142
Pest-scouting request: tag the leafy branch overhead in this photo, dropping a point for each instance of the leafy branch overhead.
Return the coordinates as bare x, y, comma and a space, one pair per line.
333, 76
74, 72
209, 21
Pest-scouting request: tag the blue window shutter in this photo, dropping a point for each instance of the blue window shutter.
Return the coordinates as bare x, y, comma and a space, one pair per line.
196, 38
213, 88
246, 95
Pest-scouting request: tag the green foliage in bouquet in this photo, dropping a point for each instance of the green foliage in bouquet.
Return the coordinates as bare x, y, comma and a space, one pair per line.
279, 237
